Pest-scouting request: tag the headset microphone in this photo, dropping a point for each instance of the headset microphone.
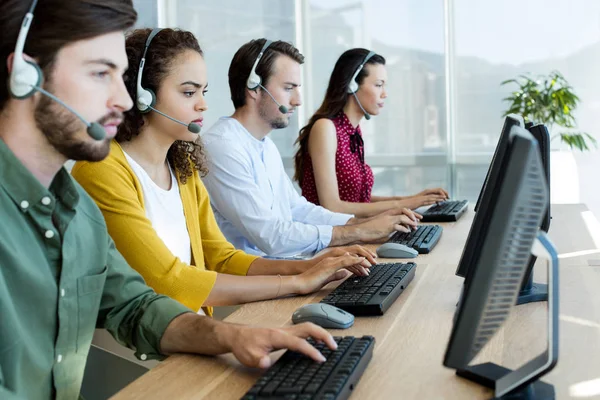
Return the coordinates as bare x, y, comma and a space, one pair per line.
26, 78
192, 127
353, 85
282, 109
94, 129
254, 80
366, 114
146, 99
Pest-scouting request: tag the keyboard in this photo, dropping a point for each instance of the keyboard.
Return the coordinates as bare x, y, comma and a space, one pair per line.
295, 376
375, 293
423, 239
447, 211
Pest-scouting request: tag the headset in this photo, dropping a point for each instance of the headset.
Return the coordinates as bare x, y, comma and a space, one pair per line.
353, 85
146, 99
26, 78
254, 80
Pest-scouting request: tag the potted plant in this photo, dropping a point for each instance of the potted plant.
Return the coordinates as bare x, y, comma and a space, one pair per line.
550, 100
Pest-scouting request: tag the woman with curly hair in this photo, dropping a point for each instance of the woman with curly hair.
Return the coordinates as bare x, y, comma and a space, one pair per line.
156, 208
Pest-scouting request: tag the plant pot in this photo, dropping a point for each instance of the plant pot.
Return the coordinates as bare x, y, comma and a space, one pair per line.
564, 178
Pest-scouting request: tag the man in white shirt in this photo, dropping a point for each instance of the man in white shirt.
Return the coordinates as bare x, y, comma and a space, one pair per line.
255, 203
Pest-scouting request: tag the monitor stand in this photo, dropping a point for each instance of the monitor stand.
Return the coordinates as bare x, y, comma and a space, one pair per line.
523, 383
488, 373
532, 292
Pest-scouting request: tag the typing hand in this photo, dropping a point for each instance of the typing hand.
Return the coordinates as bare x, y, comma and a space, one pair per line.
251, 345
424, 200
437, 191
329, 270
413, 215
360, 251
388, 222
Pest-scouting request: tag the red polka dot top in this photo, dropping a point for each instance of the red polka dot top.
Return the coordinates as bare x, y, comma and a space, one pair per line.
354, 176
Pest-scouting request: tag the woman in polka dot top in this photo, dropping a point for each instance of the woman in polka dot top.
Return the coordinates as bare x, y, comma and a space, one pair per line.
330, 166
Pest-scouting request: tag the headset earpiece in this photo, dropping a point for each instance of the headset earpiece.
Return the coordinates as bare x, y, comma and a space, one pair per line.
25, 76
145, 99
353, 85
254, 81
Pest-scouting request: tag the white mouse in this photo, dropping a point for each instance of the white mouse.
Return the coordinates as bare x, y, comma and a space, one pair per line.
396, 250
324, 315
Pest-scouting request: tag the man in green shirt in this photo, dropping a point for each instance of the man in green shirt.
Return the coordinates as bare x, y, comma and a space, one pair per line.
60, 274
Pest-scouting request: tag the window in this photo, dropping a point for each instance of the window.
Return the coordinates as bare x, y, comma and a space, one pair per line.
445, 61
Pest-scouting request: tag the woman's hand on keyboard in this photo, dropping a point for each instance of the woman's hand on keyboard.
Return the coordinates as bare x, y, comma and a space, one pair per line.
357, 250
329, 270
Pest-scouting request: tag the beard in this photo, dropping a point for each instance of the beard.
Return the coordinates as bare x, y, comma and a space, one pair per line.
279, 122
60, 127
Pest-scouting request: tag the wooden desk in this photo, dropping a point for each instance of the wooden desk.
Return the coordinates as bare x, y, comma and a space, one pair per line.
411, 337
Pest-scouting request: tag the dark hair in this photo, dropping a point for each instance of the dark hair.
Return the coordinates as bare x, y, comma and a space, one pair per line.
244, 59
185, 157
335, 99
57, 23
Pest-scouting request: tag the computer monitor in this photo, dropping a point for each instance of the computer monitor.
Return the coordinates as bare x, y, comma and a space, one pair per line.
487, 194
499, 262
493, 170
542, 136
530, 291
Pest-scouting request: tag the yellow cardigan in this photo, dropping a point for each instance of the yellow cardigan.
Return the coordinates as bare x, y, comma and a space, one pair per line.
115, 188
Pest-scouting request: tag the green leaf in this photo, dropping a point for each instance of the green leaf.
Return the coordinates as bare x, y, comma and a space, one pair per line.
547, 99
578, 140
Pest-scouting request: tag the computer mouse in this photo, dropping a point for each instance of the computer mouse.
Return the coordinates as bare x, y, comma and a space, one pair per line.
396, 250
324, 315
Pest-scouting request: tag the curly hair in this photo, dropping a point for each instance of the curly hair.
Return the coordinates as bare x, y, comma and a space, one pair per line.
185, 157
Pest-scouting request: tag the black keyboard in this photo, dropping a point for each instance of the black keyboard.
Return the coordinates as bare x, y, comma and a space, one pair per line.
447, 211
422, 240
373, 294
295, 376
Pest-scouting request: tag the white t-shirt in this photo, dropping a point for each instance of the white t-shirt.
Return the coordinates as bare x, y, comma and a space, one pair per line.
164, 209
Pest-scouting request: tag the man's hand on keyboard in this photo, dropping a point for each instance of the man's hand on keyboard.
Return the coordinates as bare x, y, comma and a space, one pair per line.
252, 345
379, 227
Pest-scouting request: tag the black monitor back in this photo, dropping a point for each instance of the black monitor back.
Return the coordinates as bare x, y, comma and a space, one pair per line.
510, 223
540, 133
486, 196
493, 170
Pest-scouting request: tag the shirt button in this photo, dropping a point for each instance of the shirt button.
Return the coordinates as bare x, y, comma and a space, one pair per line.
62, 292
46, 200
143, 357
59, 358
24, 204
49, 234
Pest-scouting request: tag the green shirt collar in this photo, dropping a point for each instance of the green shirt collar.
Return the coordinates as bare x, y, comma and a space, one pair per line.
24, 188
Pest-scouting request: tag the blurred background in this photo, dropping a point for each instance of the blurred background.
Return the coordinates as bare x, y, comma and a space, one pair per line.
445, 59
